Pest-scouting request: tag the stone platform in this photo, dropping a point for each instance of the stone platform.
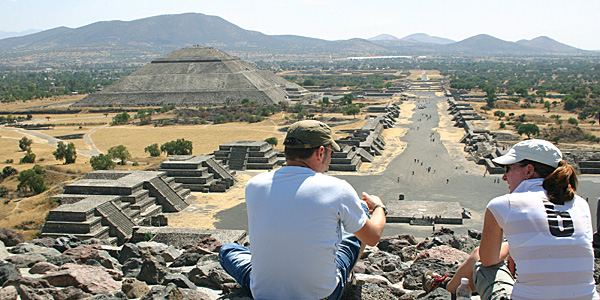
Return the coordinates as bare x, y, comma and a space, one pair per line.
424, 212
180, 237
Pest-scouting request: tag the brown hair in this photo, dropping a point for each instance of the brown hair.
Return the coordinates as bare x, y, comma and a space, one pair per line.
560, 183
298, 153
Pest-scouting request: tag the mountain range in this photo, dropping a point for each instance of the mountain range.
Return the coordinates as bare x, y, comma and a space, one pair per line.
140, 41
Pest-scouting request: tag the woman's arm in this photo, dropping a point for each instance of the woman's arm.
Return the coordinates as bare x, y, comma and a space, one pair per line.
492, 250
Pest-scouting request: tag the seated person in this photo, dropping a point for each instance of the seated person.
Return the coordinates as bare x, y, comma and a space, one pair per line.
548, 230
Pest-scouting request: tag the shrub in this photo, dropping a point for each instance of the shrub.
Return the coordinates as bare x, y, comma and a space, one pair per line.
271, 141
153, 150
8, 171
29, 158
573, 121
178, 147
25, 143
66, 152
102, 162
119, 152
29, 179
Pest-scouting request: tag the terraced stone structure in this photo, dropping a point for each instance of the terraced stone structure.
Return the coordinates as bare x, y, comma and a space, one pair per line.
349, 158
109, 204
369, 136
242, 155
200, 173
196, 76
480, 143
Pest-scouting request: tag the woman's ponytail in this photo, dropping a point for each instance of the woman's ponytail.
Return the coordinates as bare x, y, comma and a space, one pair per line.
561, 184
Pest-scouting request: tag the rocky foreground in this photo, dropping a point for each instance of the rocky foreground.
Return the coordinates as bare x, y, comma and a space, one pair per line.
68, 269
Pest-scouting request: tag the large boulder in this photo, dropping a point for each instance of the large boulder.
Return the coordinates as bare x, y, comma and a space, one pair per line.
8, 271
129, 250
82, 253
211, 275
94, 280
11, 237
134, 288
153, 271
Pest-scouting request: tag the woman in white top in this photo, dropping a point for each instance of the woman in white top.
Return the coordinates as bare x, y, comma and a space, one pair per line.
548, 233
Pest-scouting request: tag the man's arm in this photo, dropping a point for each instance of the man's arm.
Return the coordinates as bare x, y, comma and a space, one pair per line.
370, 233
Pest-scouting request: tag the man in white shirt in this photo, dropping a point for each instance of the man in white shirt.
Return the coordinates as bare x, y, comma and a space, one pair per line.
300, 224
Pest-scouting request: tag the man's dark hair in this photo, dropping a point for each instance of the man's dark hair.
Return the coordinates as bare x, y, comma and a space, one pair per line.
299, 153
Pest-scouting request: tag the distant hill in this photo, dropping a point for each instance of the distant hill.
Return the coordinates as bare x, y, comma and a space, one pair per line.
140, 41
425, 38
6, 34
486, 44
545, 43
383, 37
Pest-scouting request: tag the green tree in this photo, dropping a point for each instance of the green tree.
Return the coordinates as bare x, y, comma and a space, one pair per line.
500, 114
528, 129
121, 118
347, 99
31, 180
8, 171
66, 152
153, 150
352, 109
29, 158
569, 103
102, 162
573, 121
547, 105
25, 143
271, 141
119, 152
145, 115
177, 147
308, 82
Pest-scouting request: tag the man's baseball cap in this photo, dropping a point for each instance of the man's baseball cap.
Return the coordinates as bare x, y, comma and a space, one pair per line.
536, 150
309, 134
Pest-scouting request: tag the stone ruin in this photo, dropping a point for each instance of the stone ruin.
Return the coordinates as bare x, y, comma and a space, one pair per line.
483, 145
242, 155
369, 137
480, 143
196, 76
109, 204
199, 173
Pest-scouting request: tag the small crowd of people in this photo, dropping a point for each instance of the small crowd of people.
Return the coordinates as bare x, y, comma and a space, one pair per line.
307, 230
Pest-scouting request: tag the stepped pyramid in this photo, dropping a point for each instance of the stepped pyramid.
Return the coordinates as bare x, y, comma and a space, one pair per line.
196, 76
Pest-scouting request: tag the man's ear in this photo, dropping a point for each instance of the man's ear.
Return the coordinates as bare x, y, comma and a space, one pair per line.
320, 152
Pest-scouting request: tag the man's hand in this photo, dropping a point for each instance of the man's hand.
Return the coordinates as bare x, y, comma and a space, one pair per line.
371, 200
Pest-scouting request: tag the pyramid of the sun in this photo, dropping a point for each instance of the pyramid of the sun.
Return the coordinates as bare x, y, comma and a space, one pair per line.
196, 76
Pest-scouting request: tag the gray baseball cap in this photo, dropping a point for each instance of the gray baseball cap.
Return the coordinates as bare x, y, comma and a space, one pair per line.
309, 134
536, 150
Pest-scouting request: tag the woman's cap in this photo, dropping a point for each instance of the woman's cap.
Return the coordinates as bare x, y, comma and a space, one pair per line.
309, 134
535, 150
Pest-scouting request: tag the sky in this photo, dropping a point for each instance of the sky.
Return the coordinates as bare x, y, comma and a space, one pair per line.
572, 22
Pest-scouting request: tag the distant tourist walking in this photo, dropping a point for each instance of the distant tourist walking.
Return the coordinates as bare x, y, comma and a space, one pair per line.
547, 225
300, 224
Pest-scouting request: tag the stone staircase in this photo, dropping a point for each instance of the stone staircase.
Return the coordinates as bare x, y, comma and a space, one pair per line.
120, 225
242, 155
237, 158
202, 173
165, 195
